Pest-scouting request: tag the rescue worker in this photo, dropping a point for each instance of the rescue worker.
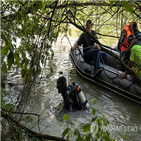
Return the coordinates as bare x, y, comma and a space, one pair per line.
90, 49
136, 32
135, 57
72, 95
125, 33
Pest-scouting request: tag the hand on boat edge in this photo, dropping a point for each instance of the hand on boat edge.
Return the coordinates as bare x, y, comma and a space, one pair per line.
122, 75
72, 49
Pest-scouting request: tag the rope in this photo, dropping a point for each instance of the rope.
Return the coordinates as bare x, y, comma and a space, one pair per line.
130, 85
107, 75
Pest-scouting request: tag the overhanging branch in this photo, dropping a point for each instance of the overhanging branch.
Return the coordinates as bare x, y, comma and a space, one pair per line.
107, 35
86, 4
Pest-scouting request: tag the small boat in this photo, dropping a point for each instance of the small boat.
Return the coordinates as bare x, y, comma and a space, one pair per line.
108, 78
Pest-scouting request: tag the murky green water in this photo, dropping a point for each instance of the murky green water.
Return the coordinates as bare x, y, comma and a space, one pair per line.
45, 100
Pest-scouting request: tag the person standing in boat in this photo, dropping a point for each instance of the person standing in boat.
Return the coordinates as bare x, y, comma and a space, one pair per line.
135, 57
90, 49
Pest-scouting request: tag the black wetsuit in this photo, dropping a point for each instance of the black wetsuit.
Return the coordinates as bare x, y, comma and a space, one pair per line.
71, 98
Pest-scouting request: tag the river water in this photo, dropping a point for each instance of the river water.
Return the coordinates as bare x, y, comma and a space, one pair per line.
44, 99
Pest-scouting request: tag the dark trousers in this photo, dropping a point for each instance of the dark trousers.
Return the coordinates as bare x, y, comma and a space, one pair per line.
91, 55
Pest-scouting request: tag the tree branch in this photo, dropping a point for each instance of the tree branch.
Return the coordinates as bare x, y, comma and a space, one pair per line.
20, 112
52, 17
33, 133
86, 4
107, 35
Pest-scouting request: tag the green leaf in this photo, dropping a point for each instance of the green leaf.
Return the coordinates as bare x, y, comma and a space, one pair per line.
26, 34
3, 91
80, 139
17, 57
68, 136
4, 38
86, 127
127, 6
93, 111
33, 30
94, 118
1, 98
133, 3
37, 3
105, 123
49, 2
24, 74
47, 53
94, 101
112, 2
52, 54
88, 137
18, 17
65, 132
99, 121
10, 59
1, 60
29, 119
42, 5
66, 117
24, 15
4, 50
4, 68
22, 62
76, 132
9, 107
23, 54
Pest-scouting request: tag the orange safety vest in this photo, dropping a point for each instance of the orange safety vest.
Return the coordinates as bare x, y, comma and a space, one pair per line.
124, 46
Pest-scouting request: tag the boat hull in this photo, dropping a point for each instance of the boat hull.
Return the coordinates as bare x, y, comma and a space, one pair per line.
108, 77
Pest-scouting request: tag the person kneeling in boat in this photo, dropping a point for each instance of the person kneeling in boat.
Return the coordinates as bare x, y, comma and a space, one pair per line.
73, 97
90, 49
135, 57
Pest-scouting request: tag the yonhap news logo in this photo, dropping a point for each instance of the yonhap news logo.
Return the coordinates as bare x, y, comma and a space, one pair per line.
112, 128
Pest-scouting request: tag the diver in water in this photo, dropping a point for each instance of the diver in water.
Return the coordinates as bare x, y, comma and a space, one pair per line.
72, 95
